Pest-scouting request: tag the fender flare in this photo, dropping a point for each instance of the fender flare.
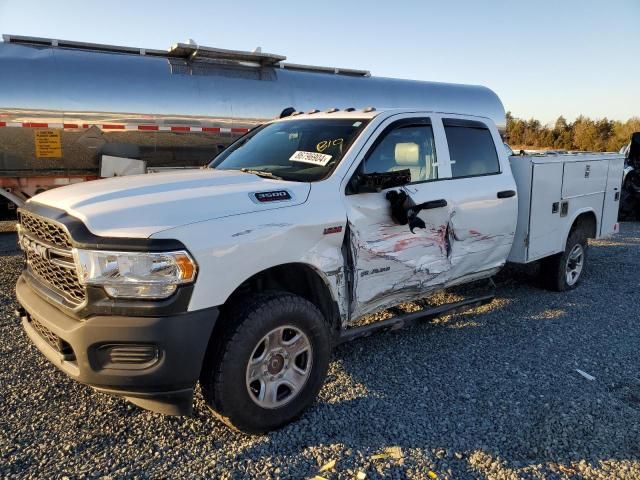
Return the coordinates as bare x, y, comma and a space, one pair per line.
332, 281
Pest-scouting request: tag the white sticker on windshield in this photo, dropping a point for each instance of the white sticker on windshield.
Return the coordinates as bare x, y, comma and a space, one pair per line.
310, 157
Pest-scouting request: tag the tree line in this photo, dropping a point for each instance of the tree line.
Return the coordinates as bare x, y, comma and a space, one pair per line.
583, 134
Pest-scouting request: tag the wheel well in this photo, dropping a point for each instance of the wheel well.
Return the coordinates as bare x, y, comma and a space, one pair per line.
586, 222
296, 278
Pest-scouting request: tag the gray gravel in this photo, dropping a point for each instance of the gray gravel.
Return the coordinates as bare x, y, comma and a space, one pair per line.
8, 243
7, 226
493, 393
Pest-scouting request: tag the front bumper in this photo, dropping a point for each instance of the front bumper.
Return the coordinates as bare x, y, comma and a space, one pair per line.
153, 361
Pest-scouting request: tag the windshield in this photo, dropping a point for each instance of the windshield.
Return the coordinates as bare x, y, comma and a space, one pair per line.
299, 150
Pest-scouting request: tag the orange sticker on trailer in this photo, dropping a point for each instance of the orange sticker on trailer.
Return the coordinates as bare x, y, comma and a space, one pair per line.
48, 144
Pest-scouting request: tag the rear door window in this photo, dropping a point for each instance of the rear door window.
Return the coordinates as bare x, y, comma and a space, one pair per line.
471, 148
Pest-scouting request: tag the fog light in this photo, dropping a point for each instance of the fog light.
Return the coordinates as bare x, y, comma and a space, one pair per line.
126, 356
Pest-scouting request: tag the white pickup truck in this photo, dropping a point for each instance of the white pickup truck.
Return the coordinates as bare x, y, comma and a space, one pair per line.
245, 275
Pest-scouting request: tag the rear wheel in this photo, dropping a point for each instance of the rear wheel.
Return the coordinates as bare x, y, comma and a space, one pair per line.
270, 364
564, 271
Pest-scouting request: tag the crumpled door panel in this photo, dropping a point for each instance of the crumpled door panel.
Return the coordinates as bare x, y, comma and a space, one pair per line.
406, 252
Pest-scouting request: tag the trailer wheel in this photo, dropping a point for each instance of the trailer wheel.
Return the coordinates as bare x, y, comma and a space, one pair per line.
564, 270
270, 363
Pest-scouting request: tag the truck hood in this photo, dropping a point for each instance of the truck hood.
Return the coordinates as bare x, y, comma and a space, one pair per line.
138, 206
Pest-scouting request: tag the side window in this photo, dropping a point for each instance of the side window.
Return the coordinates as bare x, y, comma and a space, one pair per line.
471, 148
406, 147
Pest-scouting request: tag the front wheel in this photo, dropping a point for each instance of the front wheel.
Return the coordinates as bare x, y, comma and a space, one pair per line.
564, 271
270, 364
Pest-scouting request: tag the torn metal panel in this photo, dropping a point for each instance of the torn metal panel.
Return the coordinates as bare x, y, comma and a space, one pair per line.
392, 265
325, 254
337, 283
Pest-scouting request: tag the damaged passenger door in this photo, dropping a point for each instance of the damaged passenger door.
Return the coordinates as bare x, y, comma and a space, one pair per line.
453, 223
483, 198
399, 236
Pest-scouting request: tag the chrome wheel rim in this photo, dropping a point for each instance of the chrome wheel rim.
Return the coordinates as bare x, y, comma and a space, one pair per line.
575, 262
279, 367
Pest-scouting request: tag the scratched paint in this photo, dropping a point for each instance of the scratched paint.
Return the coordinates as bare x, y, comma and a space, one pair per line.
260, 228
337, 283
391, 265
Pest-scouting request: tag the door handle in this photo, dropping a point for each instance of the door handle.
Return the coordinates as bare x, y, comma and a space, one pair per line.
507, 194
412, 213
432, 204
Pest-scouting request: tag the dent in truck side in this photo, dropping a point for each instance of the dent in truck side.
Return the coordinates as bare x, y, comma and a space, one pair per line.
392, 265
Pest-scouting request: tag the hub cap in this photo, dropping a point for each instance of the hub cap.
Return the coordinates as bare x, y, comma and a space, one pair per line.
575, 262
279, 367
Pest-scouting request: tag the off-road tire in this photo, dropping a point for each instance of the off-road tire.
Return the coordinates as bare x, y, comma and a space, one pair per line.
223, 373
553, 269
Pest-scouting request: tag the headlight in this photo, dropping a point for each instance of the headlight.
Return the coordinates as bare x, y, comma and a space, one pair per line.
135, 274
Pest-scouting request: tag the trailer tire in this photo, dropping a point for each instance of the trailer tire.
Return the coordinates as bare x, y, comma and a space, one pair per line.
270, 363
563, 271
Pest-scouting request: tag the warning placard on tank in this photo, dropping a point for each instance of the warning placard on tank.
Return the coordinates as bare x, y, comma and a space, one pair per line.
48, 144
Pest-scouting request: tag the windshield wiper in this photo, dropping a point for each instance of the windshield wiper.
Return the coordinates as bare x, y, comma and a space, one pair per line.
261, 173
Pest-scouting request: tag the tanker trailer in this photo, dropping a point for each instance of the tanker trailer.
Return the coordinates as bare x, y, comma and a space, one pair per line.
68, 107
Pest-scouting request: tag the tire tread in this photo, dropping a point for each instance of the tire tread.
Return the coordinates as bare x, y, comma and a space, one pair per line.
244, 319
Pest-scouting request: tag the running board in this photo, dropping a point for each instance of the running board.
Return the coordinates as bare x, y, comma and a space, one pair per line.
408, 319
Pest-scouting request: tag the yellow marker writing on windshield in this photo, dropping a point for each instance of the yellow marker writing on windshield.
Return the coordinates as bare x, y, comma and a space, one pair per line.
324, 144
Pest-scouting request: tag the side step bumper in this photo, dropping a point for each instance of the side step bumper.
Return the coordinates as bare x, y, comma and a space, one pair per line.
408, 319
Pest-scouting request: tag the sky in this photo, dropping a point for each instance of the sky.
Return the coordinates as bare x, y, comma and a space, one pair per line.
543, 58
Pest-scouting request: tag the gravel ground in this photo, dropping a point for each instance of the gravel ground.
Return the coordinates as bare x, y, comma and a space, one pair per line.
493, 393
7, 226
8, 242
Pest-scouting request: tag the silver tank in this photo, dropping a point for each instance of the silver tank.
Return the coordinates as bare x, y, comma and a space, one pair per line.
177, 107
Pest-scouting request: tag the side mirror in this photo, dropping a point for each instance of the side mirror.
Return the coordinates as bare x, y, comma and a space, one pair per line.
376, 182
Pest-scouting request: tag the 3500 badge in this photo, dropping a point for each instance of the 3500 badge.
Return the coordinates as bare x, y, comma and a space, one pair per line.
273, 196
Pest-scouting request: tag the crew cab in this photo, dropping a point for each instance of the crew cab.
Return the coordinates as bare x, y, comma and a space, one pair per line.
244, 275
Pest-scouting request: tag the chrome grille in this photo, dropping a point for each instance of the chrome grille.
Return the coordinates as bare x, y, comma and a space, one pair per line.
45, 230
62, 279
53, 264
